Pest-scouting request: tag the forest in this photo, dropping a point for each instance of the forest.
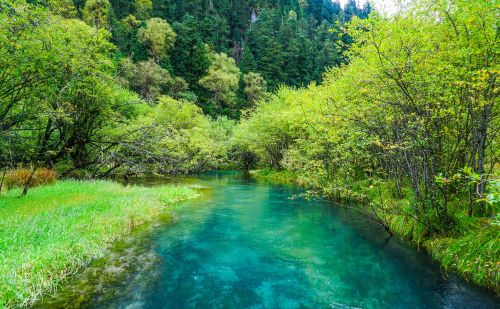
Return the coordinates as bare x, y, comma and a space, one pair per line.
396, 115
85, 87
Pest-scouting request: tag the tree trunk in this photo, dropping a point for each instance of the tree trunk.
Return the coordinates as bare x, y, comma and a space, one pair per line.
28, 182
3, 178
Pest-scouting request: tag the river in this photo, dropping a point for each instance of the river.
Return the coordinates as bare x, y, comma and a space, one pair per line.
250, 244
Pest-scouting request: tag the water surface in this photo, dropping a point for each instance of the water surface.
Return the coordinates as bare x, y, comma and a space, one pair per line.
246, 244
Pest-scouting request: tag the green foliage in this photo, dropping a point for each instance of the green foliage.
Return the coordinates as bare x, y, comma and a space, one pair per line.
274, 176
173, 137
150, 80
62, 105
222, 81
62, 227
255, 88
298, 51
96, 13
58, 90
247, 62
125, 37
143, 8
179, 114
158, 36
474, 255
190, 57
285, 42
266, 48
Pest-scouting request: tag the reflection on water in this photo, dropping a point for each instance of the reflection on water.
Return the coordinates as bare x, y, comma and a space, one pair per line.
249, 245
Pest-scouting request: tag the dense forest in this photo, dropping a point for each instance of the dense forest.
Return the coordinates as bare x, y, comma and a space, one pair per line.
85, 85
285, 42
396, 113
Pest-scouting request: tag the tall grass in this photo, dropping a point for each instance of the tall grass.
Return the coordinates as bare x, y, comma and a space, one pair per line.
474, 255
57, 229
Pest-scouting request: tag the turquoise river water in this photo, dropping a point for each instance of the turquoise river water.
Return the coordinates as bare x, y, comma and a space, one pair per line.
249, 244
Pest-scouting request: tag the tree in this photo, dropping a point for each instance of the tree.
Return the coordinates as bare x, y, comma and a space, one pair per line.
64, 8
172, 137
297, 51
255, 88
96, 13
158, 36
190, 57
247, 63
330, 55
266, 48
125, 36
222, 80
59, 93
143, 8
215, 32
150, 80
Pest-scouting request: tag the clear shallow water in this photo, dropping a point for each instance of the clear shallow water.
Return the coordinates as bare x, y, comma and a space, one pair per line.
256, 245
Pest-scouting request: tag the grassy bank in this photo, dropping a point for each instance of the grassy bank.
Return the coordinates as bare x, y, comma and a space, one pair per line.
472, 249
57, 229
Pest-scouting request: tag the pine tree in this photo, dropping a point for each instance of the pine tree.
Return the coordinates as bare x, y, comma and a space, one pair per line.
247, 63
297, 51
190, 55
268, 51
215, 32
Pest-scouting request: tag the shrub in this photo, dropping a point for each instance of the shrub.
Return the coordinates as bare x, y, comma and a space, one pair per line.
19, 177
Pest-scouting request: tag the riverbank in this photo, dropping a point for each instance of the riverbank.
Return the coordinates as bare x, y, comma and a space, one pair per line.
55, 230
472, 250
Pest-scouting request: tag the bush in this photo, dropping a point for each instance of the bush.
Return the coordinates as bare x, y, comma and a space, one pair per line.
19, 177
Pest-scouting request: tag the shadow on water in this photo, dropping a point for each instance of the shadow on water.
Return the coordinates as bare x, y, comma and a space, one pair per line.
248, 244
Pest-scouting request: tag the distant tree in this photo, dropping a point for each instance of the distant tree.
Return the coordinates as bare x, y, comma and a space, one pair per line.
267, 49
351, 9
158, 36
64, 8
215, 32
222, 80
189, 58
125, 35
247, 63
96, 13
328, 50
143, 9
121, 8
255, 87
366, 10
150, 80
297, 51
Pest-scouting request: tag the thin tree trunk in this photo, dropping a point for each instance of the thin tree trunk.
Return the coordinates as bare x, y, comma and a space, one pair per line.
28, 182
3, 178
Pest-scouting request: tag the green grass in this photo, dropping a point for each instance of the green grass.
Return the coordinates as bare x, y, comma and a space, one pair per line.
472, 249
475, 255
55, 230
282, 176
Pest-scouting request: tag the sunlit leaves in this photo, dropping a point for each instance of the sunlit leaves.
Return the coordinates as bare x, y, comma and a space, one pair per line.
158, 36
222, 80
